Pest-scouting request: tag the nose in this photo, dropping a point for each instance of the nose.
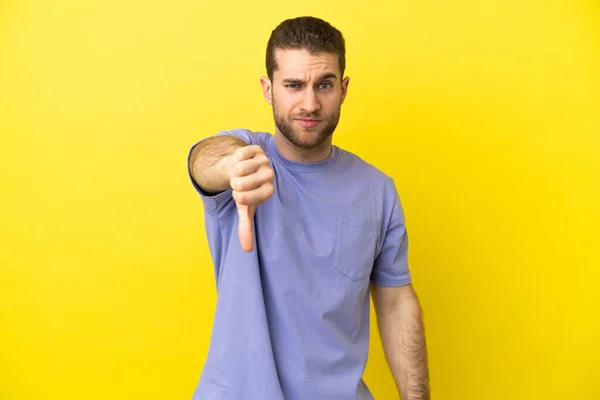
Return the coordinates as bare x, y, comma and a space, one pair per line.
310, 102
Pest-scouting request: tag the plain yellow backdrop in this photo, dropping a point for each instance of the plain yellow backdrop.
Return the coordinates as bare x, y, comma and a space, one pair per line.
486, 113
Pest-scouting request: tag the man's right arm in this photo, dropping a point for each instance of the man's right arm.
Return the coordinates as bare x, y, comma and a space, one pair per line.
223, 162
211, 162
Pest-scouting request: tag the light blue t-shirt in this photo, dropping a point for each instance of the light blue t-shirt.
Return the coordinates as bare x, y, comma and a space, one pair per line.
292, 316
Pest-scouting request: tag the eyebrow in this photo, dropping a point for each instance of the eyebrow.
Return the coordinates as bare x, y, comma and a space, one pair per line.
322, 77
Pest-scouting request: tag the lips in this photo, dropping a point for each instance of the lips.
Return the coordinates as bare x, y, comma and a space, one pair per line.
306, 122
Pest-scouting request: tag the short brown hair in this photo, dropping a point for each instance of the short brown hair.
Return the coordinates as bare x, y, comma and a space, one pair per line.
308, 33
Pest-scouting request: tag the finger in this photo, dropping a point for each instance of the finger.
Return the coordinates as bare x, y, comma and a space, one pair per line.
255, 196
246, 167
247, 152
252, 181
246, 214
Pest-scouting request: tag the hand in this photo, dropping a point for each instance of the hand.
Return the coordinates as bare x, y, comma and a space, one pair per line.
252, 184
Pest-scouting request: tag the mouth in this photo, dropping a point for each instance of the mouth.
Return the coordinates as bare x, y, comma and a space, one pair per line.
307, 122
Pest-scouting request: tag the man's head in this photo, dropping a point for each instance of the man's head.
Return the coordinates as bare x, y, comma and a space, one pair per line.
305, 62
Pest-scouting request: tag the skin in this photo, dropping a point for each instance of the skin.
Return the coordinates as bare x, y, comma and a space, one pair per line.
305, 86
309, 86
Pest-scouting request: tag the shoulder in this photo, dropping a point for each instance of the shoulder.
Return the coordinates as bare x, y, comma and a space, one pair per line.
249, 136
377, 189
366, 172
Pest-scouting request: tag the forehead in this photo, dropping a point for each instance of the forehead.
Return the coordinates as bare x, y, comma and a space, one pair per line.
303, 64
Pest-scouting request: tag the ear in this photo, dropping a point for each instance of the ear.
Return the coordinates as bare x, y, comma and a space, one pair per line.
267, 89
344, 88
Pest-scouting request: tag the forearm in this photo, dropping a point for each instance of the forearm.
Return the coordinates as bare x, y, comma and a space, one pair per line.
403, 338
211, 161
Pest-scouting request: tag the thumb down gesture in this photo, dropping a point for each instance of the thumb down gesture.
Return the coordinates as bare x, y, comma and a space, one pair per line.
252, 184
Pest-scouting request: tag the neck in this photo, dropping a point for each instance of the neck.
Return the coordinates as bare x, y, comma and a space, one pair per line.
298, 154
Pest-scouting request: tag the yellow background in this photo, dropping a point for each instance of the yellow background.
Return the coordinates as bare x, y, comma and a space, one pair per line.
486, 113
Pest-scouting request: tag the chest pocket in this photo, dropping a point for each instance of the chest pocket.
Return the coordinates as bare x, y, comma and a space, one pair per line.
355, 246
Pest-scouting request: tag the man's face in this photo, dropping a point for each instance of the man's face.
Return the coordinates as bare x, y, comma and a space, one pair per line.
306, 94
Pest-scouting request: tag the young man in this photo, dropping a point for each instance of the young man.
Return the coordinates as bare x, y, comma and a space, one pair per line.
301, 233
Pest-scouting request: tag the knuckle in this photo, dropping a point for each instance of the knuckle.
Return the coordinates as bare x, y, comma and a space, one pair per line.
246, 168
269, 190
254, 149
236, 184
269, 174
243, 184
241, 198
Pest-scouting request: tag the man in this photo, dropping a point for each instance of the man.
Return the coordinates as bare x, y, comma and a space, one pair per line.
301, 233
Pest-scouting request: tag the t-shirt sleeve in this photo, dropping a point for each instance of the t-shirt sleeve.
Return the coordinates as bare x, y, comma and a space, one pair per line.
215, 202
391, 264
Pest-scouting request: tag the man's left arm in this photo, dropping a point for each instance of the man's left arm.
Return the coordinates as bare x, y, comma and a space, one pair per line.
402, 334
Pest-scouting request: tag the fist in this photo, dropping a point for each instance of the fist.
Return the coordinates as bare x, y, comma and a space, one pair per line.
252, 183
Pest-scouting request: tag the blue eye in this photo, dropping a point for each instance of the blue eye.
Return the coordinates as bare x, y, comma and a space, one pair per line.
326, 84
